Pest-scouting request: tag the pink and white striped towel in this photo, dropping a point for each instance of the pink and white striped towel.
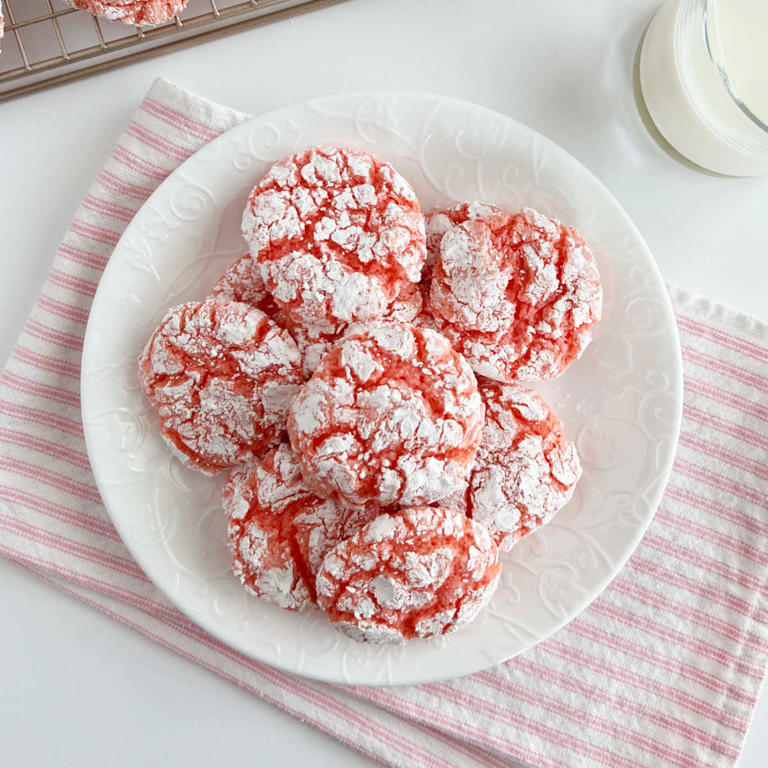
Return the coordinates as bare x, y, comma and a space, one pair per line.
662, 670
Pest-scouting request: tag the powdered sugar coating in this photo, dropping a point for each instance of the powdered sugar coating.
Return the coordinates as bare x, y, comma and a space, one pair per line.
221, 376
517, 295
439, 222
279, 531
526, 468
422, 572
243, 282
391, 415
336, 233
315, 342
137, 12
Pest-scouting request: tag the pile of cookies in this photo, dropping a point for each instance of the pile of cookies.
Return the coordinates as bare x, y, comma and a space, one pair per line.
361, 374
139, 13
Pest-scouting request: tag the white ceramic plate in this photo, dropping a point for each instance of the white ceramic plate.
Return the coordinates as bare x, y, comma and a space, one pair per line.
621, 402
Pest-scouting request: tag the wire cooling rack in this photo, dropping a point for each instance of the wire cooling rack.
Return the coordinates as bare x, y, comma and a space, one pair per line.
47, 42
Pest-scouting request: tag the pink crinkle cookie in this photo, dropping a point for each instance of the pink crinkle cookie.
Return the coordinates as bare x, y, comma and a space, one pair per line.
337, 233
138, 12
437, 223
221, 376
315, 342
391, 416
243, 282
421, 572
526, 468
516, 294
279, 531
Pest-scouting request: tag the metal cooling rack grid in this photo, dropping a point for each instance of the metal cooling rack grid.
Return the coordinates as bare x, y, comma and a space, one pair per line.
47, 42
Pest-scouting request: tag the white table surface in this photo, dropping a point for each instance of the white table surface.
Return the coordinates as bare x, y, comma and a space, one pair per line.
78, 689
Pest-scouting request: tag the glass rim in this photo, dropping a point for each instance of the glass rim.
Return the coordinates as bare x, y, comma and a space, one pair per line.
717, 56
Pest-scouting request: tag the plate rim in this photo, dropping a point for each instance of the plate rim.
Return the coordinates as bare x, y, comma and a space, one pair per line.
676, 382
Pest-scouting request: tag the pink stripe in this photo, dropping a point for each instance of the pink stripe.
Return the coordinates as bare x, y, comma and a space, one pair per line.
715, 480
122, 187
45, 362
113, 210
691, 557
721, 454
736, 517
141, 165
57, 511
23, 384
479, 754
656, 599
624, 674
158, 142
70, 546
63, 280
46, 447
35, 472
726, 340
675, 579
690, 413
92, 232
736, 372
685, 525
38, 416
667, 663
397, 705
82, 257
54, 335
593, 694
63, 309
177, 119
647, 626
531, 725
730, 399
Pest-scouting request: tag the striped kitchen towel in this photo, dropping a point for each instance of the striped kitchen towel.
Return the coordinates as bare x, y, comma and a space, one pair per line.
662, 670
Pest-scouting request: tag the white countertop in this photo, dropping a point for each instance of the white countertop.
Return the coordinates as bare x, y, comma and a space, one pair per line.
78, 689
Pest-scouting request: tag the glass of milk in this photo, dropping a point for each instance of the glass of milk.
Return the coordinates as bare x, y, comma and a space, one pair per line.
704, 79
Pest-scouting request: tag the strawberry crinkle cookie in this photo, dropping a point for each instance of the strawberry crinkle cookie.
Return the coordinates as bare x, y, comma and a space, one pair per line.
221, 376
422, 572
279, 531
337, 233
137, 12
391, 416
243, 282
516, 294
315, 342
437, 223
526, 468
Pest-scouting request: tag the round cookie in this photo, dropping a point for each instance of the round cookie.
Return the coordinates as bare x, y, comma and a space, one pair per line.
243, 282
526, 468
279, 531
337, 233
421, 572
221, 376
138, 12
516, 295
391, 416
